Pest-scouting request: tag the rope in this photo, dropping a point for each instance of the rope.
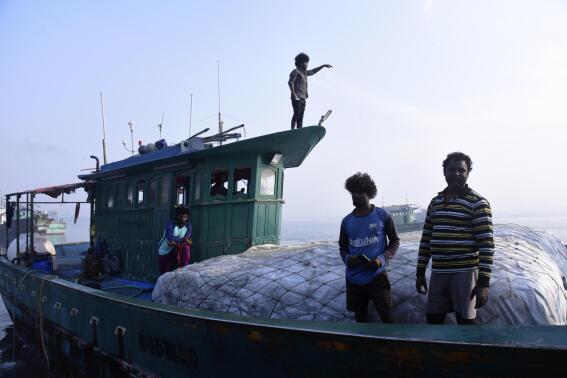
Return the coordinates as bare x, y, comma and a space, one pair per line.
41, 324
14, 305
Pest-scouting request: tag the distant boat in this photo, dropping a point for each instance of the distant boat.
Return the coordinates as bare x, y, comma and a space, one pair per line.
405, 217
46, 223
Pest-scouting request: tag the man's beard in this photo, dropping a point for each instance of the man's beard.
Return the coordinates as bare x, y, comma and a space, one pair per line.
456, 181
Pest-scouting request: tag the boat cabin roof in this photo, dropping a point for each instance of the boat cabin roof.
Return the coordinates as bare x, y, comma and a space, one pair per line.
293, 145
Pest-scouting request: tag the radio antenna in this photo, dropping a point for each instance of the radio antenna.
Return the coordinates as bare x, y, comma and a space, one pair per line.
161, 124
218, 89
190, 113
103, 130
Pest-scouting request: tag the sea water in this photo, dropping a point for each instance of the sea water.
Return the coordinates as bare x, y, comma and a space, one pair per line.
19, 359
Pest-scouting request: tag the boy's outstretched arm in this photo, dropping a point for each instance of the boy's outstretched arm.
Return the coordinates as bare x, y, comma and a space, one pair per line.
315, 70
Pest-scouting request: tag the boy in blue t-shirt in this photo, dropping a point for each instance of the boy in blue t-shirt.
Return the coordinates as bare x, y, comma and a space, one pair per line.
367, 242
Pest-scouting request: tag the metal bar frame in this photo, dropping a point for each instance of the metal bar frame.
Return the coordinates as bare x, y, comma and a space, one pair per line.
92, 218
32, 195
7, 233
17, 227
29, 208
57, 203
27, 222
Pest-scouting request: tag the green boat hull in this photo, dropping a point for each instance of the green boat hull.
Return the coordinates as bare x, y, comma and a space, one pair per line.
95, 333
409, 227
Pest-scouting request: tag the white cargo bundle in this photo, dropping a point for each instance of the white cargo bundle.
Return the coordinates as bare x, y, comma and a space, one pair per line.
306, 282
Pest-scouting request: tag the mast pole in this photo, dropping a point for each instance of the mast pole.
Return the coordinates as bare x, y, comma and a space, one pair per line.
190, 112
103, 130
161, 124
17, 226
7, 203
218, 90
131, 126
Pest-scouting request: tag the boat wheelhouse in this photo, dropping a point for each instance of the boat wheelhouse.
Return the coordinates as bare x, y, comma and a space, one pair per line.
136, 196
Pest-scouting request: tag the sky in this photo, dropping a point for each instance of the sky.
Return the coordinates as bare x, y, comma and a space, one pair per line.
412, 81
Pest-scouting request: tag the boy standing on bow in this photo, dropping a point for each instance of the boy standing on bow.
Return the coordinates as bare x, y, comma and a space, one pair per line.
298, 86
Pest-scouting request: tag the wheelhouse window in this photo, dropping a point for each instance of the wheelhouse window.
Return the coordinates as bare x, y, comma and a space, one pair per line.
140, 196
110, 198
152, 192
163, 190
118, 198
219, 183
197, 186
129, 194
241, 180
181, 190
268, 182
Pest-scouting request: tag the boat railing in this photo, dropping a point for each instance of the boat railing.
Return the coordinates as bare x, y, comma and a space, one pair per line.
26, 201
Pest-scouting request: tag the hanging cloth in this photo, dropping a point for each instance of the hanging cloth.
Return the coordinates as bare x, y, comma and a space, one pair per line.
10, 214
77, 210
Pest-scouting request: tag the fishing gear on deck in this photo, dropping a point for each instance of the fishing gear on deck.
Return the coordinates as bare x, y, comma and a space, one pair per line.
223, 136
199, 133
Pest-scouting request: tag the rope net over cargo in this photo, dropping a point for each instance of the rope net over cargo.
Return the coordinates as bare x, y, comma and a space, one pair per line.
306, 282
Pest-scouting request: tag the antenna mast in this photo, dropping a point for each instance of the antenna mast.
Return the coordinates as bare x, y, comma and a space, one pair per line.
103, 130
218, 89
161, 124
190, 113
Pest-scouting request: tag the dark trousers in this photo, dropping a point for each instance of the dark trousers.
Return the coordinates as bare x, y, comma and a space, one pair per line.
377, 291
298, 110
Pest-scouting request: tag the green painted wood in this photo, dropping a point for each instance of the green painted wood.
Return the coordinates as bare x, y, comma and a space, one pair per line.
172, 341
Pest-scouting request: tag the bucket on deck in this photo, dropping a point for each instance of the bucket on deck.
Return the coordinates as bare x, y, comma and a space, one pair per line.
43, 263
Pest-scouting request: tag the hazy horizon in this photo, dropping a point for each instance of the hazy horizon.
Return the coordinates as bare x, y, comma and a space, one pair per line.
412, 81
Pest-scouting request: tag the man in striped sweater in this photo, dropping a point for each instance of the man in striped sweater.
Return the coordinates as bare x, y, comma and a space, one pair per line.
457, 235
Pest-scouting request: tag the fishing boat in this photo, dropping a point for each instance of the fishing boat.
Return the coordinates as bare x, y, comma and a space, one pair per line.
405, 218
46, 223
91, 322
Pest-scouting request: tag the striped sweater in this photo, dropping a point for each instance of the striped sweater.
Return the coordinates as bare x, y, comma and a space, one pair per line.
458, 236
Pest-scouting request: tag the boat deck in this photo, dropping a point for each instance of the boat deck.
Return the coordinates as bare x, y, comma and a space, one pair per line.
70, 267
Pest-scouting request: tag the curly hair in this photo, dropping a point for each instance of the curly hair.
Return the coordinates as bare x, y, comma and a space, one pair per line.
458, 156
181, 210
361, 183
300, 58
